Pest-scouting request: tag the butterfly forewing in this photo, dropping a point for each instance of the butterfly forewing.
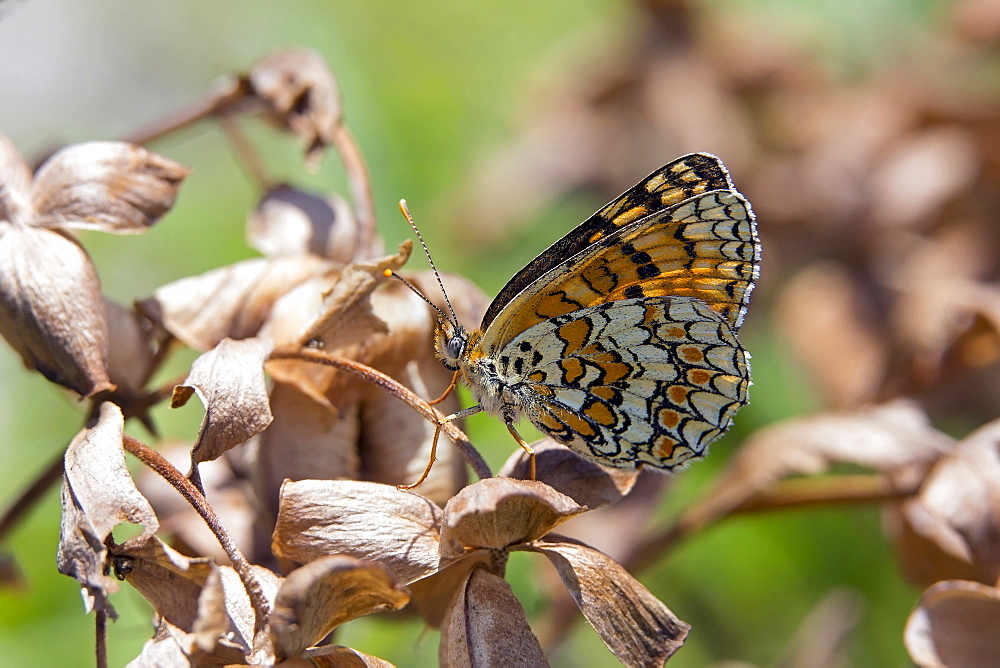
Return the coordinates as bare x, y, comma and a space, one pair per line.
675, 182
705, 247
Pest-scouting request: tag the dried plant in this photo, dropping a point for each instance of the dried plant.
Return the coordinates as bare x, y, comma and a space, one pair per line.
314, 369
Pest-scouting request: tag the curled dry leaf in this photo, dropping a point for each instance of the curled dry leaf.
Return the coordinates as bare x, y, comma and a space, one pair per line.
486, 626
229, 302
957, 624
97, 495
957, 514
205, 607
346, 307
132, 359
587, 483
230, 382
361, 519
634, 624
170, 581
498, 512
106, 186
51, 308
302, 95
325, 593
289, 221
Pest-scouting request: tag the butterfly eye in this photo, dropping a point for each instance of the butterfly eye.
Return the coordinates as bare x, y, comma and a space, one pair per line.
455, 345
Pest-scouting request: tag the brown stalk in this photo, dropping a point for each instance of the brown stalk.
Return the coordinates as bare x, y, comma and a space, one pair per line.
839, 490
404, 394
359, 183
213, 105
166, 470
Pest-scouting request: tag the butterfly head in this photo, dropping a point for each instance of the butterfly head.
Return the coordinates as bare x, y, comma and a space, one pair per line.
450, 340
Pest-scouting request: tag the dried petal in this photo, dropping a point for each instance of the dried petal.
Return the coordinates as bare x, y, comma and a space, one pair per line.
107, 186
232, 301
302, 94
98, 494
957, 624
15, 183
347, 315
305, 441
582, 480
338, 656
486, 626
634, 624
170, 581
230, 382
325, 593
289, 221
132, 358
51, 309
361, 519
498, 512
958, 508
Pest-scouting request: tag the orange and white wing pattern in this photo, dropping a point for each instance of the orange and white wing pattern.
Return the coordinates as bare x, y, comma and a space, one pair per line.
650, 380
620, 339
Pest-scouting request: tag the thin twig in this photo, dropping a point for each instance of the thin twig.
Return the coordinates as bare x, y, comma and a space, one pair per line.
360, 184
403, 393
30, 496
101, 638
217, 103
168, 472
249, 156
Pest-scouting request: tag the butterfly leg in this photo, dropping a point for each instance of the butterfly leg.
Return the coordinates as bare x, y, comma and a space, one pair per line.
523, 444
434, 443
454, 380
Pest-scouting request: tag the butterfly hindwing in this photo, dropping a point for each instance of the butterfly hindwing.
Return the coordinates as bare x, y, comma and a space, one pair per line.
651, 380
675, 182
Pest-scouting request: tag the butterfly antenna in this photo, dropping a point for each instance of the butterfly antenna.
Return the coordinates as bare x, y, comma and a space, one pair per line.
406, 214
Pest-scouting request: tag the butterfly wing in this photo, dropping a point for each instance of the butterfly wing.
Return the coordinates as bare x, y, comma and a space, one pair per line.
673, 183
705, 247
650, 380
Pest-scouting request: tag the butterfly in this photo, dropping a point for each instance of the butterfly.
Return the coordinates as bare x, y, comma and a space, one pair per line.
619, 340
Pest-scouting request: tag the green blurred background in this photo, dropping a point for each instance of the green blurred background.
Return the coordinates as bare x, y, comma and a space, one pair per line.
430, 89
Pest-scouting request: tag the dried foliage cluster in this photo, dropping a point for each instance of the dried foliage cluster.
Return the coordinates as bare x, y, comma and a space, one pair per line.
879, 216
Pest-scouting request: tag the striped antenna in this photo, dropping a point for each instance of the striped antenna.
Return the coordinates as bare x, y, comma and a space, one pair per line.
406, 214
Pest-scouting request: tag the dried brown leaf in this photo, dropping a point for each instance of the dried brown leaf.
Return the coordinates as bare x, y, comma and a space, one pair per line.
15, 183
230, 382
170, 581
957, 624
106, 186
364, 520
585, 482
132, 358
229, 302
338, 656
634, 624
498, 512
305, 441
486, 626
98, 494
51, 308
346, 316
324, 594
958, 508
302, 94
289, 221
